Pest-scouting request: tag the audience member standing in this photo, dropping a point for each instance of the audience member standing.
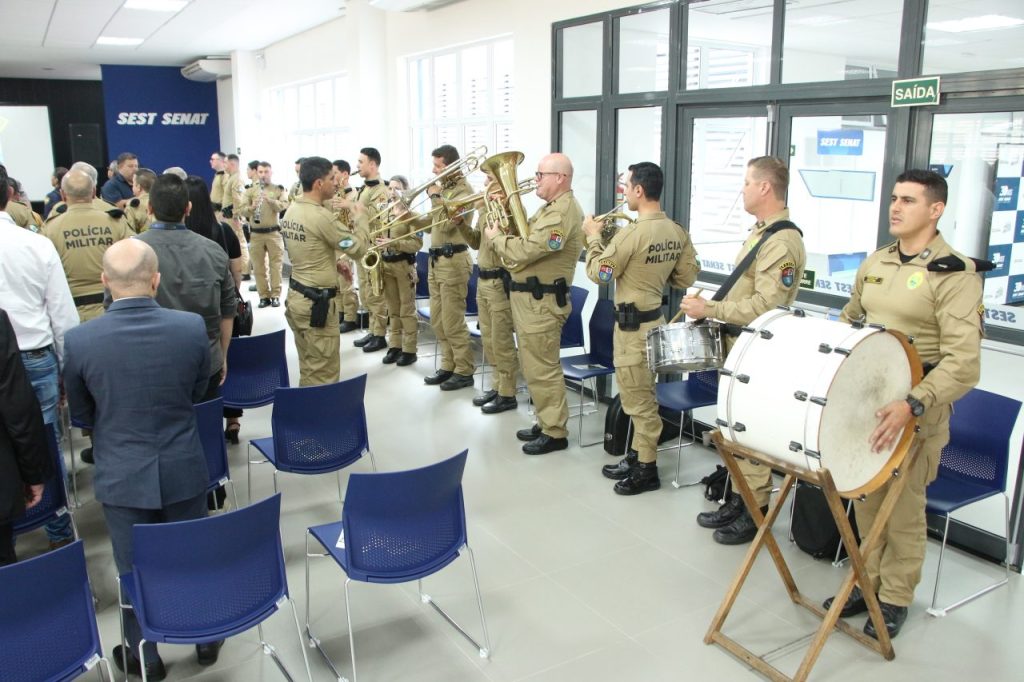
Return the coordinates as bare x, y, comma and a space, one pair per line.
118, 189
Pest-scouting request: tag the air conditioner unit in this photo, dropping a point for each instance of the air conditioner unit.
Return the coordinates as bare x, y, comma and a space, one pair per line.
207, 70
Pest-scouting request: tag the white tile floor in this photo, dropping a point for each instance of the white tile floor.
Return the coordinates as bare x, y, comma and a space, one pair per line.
579, 583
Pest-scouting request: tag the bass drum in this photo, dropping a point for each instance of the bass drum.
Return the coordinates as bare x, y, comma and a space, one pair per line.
805, 390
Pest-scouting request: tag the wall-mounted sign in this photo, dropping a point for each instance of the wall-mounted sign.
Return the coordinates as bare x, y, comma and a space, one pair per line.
915, 92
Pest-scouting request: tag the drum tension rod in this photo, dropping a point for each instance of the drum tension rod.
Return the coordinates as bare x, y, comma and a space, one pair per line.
766, 335
813, 453
819, 401
738, 427
800, 395
824, 348
795, 447
742, 378
842, 351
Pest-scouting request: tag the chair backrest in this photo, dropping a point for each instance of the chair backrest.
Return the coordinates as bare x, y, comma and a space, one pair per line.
47, 621
55, 493
474, 276
209, 575
209, 420
602, 326
320, 428
406, 524
422, 269
572, 330
706, 381
257, 366
979, 439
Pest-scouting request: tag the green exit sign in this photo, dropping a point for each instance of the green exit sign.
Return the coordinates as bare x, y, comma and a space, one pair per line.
915, 92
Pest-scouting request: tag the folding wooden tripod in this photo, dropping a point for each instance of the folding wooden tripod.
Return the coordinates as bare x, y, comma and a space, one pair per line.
764, 539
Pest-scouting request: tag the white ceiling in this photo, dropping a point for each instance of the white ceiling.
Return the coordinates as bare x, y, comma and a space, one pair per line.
57, 38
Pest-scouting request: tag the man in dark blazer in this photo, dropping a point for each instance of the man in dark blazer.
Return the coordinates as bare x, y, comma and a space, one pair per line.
24, 454
134, 374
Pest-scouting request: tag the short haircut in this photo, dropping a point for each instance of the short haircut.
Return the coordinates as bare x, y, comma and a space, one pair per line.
14, 184
137, 274
300, 159
125, 156
265, 164
935, 187
145, 177
313, 168
253, 165
232, 157
78, 185
3, 187
59, 172
222, 155
86, 168
772, 170
343, 166
447, 152
169, 198
401, 180
371, 153
649, 176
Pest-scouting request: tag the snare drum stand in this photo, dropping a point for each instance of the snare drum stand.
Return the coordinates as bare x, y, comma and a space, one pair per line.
765, 539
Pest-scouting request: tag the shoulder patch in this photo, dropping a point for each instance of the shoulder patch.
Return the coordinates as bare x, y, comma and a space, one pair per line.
788, 265
115, 213
346, 243
915, 280
555, 240
606, 271
787, 274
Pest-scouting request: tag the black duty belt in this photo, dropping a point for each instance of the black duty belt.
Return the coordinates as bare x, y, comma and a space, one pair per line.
312, 293
448, 250
927, 367
38, 352
496, 273
533, 286
88, 299
321, 299
217, 206
264, 230
409, 258
629, 317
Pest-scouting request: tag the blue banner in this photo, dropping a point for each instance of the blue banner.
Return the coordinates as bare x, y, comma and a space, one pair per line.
161, 117
840, 142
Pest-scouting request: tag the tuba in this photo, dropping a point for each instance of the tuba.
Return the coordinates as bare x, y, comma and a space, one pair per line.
510, 215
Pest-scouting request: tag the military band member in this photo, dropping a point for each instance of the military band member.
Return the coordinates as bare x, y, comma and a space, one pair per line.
136, 213
348, 299
920, 286
252, 177
218, 161
232, 195
314, 236
97, 202
494, 311
450, 267
295, 191
262, 203
53, 197
640, 259
542, 266
773, 279
373, 196
398, 263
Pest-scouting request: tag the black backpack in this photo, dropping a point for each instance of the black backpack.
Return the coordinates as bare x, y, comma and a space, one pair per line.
616, 423
814, 529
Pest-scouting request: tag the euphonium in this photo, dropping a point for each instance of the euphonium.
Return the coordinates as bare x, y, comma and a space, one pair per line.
610, 220
511, 219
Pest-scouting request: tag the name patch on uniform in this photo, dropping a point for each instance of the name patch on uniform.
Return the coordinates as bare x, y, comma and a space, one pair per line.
915, 280
346, 243
555, 240
872, 279
787, 273
605, 272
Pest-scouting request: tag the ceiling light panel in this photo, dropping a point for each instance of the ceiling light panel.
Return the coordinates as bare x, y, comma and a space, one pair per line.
116, 41
169, 6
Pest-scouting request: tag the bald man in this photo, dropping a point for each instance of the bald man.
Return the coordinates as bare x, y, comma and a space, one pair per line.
97, 203
542, 266
145, 386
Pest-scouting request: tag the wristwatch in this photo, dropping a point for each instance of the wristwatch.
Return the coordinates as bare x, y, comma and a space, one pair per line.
916, 406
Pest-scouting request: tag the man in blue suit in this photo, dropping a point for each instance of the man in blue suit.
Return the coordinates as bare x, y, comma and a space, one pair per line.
133, 374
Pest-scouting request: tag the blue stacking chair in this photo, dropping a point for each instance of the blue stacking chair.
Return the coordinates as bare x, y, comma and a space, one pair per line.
973, 468
47, 620
316, 430
699, 389
257, 366
398, 527
209, 416
199, 581
598, 362
572, 330
421, 274
54, 503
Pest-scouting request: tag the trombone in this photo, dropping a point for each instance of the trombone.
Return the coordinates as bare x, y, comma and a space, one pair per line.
610, 220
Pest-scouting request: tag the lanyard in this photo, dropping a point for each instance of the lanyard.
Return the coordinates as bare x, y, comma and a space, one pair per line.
168, 226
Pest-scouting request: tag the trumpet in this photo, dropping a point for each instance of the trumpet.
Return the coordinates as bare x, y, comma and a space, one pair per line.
610, 220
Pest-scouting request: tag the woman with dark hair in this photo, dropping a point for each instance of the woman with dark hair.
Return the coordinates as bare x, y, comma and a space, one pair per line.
203, 221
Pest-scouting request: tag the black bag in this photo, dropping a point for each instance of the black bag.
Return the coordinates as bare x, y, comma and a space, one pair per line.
243, 317
616, 423
814, 529
714, 484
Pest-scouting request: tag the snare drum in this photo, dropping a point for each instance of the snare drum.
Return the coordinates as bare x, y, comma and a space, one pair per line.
684, 347
805, 391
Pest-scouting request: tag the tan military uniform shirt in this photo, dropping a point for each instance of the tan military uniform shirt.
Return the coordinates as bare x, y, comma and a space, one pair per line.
136, 213
553, 247
262, 204
451, 231
312, 236
941, 309
295, 191
640, 259
373, 198
232, 190
82, 235
22, 215
217, 188
773, 279
59, 208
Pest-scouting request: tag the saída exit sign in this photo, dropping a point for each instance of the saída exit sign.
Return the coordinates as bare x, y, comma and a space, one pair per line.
915, 92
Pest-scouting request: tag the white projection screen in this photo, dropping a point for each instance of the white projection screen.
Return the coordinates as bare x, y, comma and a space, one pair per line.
26, 148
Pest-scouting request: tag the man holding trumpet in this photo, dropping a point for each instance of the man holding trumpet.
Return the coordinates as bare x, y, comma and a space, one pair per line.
640, 259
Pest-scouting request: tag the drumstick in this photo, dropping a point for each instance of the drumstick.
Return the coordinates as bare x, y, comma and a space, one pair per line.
680, 313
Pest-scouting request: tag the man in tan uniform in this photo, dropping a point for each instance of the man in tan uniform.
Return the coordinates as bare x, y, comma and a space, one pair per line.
920, 286
641, 258
348, 299
232, 195
82, 235
136, 213
314, 235
373, 196
773, 279
217, 164
19, 212
97, 202
542, 266
262, 203
448, 277
494, 311
295, 191
398, 261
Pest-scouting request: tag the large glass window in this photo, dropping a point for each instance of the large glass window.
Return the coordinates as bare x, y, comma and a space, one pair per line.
844, 40
982, 157
579, 143
973, 36
835, 190
582, 59
637, 138
718, 224
729, 44
643, 51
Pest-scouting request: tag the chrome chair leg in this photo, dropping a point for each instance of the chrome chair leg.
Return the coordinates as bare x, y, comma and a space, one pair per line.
485, 649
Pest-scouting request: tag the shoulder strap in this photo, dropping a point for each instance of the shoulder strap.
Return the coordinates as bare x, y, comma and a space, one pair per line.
738, 271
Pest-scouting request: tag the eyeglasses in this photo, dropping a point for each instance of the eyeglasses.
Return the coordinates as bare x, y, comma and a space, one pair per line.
540, 174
